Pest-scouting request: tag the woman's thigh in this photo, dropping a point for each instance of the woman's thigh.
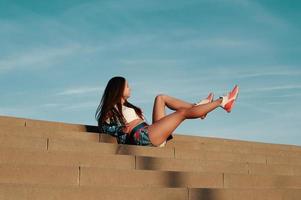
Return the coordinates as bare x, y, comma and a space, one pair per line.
158, 108
161, 129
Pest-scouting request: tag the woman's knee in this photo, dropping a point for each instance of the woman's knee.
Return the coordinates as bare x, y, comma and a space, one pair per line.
182, 112
160, 97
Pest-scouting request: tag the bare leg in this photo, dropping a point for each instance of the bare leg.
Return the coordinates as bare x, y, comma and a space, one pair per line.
172, 103
162, 128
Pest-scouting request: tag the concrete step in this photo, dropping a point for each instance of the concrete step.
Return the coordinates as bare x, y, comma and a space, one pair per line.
284, 151
51, 144
184, 153
215, 155
90, 176
192, 142
235, 149
23, 142
243, 194
61, 126
97, 176
16, 121
105, 138
94, 176
48, 133
44, 192
274, 169
15, 156
52, 160
105, 148
178, 138
172, 164
216, 144
65, 158
44, 144
38, 192
24, 136
215, 166
177, 152
261, 181
292, 160
39, 174
12, 121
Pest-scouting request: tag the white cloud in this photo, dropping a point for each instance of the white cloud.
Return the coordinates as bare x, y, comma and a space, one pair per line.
41, 57
80, 90
260, 109
80, 106
222, 42
258, 12
272, 88
50, 105
37, 57
271, 73
139, 62
254, 71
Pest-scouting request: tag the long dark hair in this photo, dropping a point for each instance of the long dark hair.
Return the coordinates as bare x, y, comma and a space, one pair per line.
112, 96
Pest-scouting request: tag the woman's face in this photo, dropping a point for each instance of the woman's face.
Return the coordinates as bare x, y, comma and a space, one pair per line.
126, 91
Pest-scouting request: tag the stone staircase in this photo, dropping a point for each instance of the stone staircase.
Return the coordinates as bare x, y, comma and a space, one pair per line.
42, 160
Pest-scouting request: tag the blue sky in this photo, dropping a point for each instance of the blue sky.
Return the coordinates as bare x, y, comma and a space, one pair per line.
56, 57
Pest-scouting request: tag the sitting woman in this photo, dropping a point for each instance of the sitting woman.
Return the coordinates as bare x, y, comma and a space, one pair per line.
121, 119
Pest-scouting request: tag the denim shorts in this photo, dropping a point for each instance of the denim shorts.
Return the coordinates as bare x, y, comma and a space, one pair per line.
141, 136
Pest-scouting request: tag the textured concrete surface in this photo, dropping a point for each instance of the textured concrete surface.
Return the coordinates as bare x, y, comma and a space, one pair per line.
55, 160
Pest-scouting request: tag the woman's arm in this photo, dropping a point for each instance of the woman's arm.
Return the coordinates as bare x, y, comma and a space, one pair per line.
112, 129
116, 130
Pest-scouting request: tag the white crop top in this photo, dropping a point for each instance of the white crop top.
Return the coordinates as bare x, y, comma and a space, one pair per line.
129, 114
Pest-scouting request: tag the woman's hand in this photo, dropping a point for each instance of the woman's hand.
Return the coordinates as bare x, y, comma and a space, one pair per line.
126, 128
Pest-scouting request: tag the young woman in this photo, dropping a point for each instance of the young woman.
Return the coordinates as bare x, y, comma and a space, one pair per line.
121, 119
